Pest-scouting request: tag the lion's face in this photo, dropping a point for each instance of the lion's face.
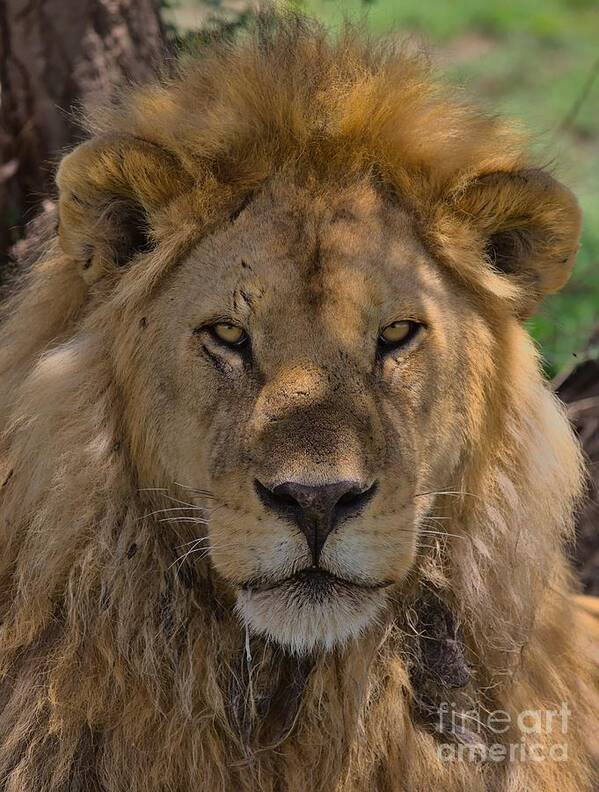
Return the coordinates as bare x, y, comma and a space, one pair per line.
369, 365
308, 365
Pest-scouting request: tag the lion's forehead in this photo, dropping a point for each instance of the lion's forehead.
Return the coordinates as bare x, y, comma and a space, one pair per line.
301, 263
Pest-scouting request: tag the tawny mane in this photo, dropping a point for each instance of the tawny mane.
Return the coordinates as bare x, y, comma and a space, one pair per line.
121, 670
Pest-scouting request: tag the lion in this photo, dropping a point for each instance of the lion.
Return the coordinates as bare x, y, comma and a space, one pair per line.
285, 494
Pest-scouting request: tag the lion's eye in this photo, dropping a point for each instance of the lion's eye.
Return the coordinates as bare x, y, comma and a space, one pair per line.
229, 334
397, 334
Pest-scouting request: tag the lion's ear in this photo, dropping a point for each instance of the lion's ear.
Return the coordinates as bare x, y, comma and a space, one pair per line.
529, 225
109, 188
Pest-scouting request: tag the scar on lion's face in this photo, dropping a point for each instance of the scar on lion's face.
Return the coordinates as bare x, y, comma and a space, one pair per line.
312, 347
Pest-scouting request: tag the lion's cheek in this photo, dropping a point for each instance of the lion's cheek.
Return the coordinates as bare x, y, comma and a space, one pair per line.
242, 548
380, 550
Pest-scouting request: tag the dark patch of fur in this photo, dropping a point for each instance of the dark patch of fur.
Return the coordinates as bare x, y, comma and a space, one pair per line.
244, 203
132, 550
439, 670
266, 687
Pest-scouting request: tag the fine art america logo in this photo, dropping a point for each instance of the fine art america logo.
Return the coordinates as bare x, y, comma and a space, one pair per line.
498, 736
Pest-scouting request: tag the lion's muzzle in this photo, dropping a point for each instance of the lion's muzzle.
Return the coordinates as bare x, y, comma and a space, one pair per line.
316, 510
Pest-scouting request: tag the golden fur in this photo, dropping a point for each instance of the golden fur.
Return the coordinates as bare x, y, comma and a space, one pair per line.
322, 188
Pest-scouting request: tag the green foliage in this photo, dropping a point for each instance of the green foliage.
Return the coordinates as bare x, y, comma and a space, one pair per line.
531, 60
196, 21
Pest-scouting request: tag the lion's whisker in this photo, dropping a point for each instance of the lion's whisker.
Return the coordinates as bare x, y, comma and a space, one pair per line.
185, 519
204, 553
171, 509
172, 498
193, 541
180, 559
182, 502
447, 492
203, 492
439, 519
445, 533
439, 533
418, 531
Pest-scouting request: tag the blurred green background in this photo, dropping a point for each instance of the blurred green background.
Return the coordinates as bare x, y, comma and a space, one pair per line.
535, 60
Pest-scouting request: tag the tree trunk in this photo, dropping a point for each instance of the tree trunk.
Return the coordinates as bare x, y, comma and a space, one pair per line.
56, 56
579, 389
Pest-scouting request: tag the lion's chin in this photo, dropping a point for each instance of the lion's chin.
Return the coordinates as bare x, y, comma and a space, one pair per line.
306, 616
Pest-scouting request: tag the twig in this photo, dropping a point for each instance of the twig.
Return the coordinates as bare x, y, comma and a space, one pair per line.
581, 98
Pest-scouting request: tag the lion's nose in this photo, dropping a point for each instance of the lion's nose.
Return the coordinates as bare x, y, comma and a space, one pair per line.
316, 509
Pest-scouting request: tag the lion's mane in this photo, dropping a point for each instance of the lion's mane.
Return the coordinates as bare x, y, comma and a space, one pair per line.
124, 671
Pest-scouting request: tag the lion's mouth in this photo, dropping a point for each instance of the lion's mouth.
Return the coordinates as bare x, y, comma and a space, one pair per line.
311, 609
313, 581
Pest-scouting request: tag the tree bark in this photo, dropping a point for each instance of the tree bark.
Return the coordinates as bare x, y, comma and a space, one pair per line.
55, 57
579, 389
